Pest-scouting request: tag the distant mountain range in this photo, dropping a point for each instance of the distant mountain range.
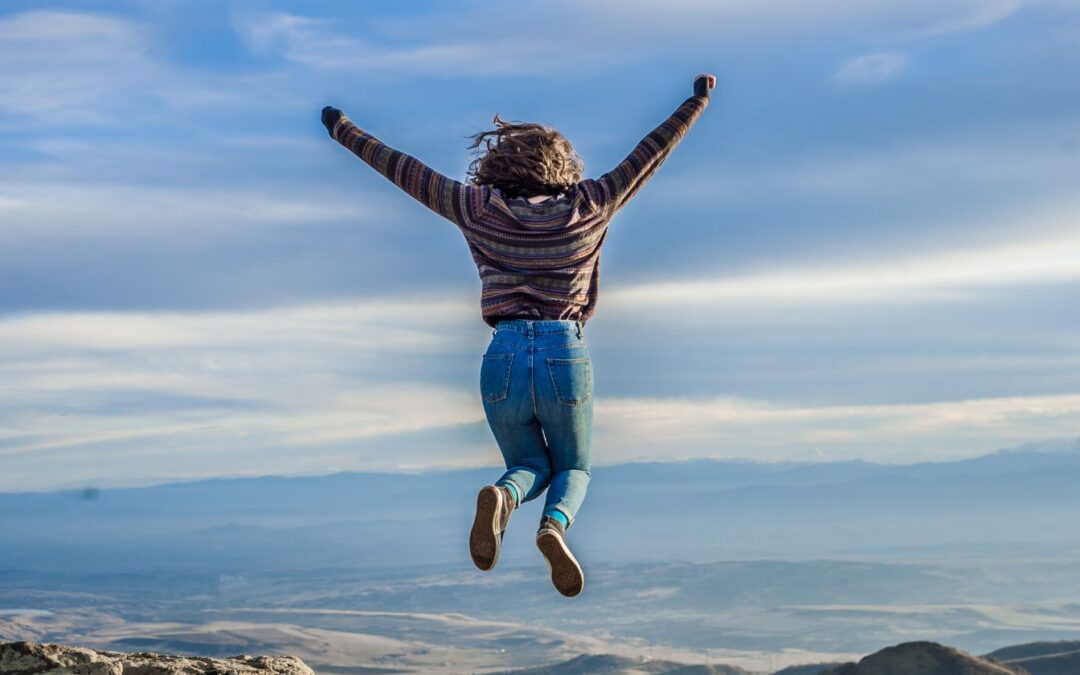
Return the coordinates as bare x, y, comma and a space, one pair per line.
1021, 502
1042, 658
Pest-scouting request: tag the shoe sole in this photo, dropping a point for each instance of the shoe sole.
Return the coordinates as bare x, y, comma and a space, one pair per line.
484, 539
566, 574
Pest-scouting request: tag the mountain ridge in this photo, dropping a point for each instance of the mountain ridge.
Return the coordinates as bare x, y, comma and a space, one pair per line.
1061, 449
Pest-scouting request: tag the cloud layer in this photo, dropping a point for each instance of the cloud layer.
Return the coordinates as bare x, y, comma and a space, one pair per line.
123, 396
865, 248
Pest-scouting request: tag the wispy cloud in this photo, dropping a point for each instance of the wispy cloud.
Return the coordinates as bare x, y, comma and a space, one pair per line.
97, 388
885, 19
631, 429
68, 63
101, 70
319, 44
356, 385
972, 16
1027, 155
42, 210
1050, 258
871, 68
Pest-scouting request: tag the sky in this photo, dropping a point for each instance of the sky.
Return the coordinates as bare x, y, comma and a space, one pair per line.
868, 247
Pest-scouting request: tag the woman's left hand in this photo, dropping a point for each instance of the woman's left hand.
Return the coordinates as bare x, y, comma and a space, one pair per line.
330, 117
703, 83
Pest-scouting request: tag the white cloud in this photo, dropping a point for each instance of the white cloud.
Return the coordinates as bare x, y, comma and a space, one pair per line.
320, 45
100, 69
1019, 155
170, 394
342, 324
91, 37
67, 63
161, 390
673, 428
41, 209
983, 14
1048, 254
883, 19
871, 68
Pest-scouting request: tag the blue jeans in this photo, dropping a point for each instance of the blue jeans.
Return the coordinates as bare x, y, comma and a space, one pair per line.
536, 382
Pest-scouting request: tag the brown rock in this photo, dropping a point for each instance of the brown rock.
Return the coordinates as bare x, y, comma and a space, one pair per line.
32, 658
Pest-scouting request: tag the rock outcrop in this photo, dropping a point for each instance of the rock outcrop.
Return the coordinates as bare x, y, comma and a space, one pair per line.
26, 658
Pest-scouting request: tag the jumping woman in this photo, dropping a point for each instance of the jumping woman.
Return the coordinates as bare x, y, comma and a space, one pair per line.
534, 227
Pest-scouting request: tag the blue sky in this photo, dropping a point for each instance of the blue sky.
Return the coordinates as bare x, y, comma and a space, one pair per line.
868, 246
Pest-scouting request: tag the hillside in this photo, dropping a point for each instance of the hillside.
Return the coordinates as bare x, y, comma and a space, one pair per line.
1042, 658
924, 658
807, 669
608, 664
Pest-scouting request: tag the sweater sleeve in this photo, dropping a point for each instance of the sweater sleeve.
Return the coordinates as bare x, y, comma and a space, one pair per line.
445, 196
623, 182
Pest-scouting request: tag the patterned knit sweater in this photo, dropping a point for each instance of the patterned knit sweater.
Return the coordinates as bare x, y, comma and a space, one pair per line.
536, 261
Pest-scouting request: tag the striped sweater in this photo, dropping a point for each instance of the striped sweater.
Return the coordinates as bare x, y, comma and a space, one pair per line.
536, 261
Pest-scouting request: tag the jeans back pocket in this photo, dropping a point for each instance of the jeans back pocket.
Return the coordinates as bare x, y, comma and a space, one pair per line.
572, 379
495, 376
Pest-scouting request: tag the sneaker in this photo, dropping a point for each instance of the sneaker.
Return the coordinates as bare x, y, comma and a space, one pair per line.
494, 505
566, 573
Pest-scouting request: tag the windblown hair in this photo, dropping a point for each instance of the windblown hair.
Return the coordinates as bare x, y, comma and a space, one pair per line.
525, 159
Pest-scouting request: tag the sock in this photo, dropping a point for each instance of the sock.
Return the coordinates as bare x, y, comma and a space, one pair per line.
559, 516
513, 491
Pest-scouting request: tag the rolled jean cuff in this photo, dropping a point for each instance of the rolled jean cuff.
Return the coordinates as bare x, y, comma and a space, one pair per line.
569, 518
517, 491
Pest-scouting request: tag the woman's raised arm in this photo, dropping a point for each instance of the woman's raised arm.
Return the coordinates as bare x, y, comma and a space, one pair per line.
445, 196
623, 182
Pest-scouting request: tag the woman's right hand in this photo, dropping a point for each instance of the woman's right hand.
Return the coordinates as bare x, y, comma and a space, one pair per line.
703, 83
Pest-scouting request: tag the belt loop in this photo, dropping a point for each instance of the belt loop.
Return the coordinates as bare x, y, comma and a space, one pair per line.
578, 328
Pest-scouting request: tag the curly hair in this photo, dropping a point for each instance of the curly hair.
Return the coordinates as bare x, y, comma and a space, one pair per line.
525, 159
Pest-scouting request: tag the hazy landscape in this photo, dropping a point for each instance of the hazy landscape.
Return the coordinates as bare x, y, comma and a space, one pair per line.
755, 565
